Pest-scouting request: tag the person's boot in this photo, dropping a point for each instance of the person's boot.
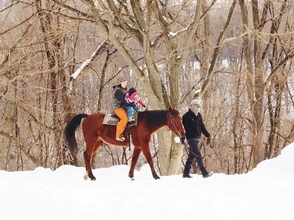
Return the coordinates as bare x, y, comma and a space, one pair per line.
186, 174
121, 138
131, 119
207, 175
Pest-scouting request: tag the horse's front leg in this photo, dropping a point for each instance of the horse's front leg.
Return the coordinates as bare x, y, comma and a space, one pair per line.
135, 157
147, 154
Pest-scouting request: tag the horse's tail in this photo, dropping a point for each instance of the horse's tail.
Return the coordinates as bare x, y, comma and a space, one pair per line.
69, 132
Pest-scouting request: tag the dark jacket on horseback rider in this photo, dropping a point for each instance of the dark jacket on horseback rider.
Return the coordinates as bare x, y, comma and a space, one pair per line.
119, 101
119, 97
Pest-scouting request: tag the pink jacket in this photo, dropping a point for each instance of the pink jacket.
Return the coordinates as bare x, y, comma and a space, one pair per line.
134, 98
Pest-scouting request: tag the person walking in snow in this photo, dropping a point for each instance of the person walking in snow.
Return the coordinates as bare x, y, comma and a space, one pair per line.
194, 126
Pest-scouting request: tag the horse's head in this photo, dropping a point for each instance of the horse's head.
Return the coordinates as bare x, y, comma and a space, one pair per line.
175, 123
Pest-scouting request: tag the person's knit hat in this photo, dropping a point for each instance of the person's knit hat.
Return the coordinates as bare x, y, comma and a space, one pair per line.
196, 102
121, 79
132, 90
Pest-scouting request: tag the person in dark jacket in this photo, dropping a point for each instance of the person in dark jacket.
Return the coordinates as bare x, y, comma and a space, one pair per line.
119, 91
194, 126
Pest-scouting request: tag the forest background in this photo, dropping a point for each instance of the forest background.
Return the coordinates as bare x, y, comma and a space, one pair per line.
59, 58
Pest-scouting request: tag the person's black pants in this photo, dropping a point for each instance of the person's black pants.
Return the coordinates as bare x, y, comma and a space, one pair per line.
194, 153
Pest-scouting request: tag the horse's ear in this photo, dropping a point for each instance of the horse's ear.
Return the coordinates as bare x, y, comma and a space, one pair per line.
172, 111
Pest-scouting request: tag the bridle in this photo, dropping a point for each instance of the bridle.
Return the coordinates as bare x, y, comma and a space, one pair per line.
171, 121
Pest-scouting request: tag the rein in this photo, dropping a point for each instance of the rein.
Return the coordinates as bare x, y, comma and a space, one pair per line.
171, 122
188, 148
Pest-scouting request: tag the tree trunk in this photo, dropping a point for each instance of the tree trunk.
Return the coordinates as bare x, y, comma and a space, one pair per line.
207, 97
257, 103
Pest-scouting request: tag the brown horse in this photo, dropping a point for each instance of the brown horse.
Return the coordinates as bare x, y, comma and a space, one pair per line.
95, 133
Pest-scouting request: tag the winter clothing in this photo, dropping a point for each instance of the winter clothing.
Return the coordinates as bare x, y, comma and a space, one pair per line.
120, 80
118, 97
131, 99
119, 111
121, 125
194, 126
194, 153
196, 102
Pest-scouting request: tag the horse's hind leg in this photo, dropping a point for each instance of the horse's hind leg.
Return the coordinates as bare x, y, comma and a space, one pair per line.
88, 156
89, 173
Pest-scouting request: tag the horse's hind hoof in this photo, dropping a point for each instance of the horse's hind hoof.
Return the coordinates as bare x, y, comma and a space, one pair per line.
86, 176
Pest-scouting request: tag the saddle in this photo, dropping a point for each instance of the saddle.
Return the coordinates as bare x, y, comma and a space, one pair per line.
112, 119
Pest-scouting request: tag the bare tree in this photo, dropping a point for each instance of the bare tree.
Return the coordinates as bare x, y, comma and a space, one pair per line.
257, 81
156, 32
172, 51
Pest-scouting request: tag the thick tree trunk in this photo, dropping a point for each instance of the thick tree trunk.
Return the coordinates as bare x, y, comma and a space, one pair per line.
207, 97
257, 103
255, 87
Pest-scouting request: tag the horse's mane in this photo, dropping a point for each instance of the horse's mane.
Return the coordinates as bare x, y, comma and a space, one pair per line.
156, 118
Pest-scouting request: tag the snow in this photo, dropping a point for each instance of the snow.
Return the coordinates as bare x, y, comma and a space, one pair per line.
264, 193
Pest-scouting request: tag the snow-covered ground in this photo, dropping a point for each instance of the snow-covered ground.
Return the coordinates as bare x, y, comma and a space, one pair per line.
265, 193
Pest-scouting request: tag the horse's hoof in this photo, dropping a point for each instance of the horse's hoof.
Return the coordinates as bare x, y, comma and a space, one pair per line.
93, 178
86, 176
132, 177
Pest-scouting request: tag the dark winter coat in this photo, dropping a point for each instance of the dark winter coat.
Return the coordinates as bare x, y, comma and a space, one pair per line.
194, 125
118, 97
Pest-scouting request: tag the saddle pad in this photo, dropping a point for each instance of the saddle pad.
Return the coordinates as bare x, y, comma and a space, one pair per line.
109, 119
